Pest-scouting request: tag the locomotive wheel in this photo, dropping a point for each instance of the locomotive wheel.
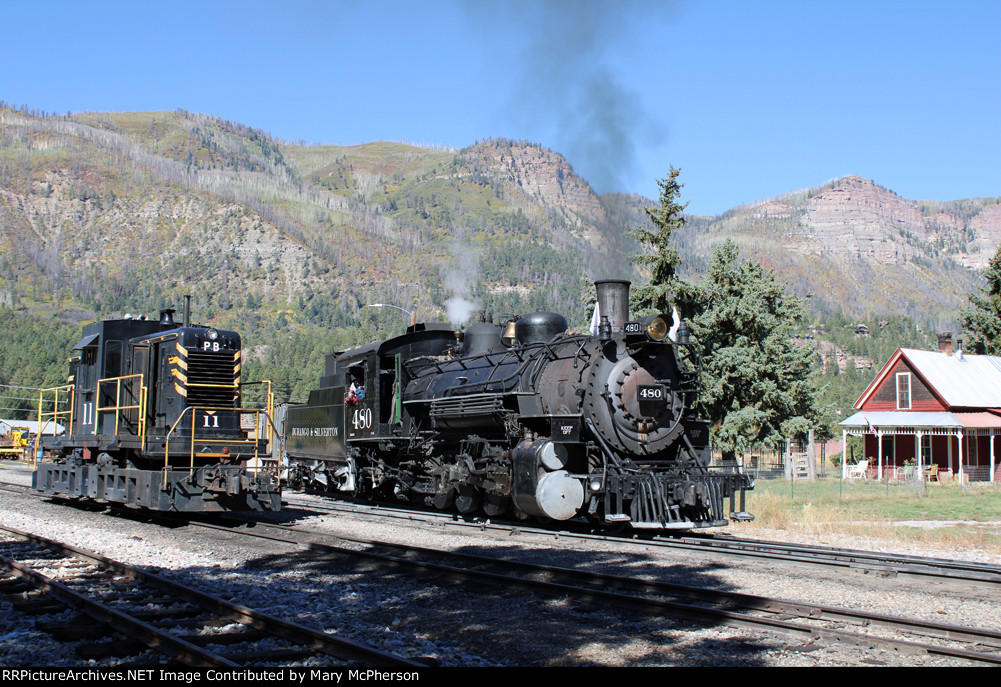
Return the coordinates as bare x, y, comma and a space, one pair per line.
444, 500
494, 505
467, 499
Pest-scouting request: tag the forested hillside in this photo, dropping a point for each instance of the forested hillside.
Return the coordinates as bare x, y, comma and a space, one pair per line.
103, 214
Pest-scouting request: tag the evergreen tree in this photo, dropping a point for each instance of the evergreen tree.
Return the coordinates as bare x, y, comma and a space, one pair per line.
755, 381
659, 294
982, 322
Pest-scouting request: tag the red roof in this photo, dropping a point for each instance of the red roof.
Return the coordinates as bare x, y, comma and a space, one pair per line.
978, 420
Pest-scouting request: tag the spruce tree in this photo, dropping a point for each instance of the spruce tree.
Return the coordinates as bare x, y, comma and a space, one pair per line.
982, 322
659, 294
755, 382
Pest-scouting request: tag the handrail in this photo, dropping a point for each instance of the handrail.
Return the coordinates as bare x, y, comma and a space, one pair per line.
269, 404
177, 422
52, 416
55, 414
118, 407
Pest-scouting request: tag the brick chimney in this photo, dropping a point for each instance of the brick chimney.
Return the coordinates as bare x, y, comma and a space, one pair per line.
945, 343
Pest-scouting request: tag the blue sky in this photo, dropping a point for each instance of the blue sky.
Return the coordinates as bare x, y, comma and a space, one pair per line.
749, 99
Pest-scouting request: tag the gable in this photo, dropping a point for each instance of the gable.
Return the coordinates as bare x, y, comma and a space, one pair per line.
901, 387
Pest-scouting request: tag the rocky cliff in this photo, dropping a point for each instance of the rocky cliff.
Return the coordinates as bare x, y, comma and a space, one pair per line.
861, 249
116, 211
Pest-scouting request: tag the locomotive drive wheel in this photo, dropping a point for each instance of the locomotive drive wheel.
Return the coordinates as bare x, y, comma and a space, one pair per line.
444, 500
467, 499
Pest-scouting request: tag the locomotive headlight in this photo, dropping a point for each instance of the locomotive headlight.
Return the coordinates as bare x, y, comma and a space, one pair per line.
213, 335
658, 328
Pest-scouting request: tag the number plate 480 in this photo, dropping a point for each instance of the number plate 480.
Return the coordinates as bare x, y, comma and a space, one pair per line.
655, 393
652, 399
362, 418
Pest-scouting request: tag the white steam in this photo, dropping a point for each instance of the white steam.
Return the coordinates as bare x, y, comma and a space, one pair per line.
458, 279
460, 310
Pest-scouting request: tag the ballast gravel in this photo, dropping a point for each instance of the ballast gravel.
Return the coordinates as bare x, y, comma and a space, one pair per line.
468, 625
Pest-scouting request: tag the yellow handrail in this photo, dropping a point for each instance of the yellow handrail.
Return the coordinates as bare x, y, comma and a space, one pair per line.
271, 411
118, 407
269, 406
55, 414
177, 422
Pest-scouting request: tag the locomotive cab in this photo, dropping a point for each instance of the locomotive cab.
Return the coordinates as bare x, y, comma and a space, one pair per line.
96, 357
361, 400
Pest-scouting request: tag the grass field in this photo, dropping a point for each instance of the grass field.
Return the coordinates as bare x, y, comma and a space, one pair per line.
875, 509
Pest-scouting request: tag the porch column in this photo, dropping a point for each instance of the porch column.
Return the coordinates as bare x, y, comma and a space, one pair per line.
993, 436
919, 459
960, 472
844, 455
879, 454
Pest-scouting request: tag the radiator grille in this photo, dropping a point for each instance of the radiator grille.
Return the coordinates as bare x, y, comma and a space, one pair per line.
219, 371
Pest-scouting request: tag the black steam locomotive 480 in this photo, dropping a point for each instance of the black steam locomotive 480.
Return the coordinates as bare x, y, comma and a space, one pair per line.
523, 419
153, 420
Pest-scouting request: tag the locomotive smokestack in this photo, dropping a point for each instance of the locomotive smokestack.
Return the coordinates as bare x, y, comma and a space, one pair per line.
613, 301
187, 311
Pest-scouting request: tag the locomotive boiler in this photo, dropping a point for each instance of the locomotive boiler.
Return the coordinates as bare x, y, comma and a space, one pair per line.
521, 419
153, 421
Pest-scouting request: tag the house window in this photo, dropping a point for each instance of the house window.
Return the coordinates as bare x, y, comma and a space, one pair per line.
904, 391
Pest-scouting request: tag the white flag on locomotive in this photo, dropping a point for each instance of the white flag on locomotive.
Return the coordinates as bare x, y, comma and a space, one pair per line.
595, 320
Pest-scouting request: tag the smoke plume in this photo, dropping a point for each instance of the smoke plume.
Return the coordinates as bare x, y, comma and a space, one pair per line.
569, 84
458, 280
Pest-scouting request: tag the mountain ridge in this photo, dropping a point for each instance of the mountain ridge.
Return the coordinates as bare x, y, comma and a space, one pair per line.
102, 202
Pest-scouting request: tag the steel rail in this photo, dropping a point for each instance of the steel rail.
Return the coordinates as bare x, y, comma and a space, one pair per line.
751, 601
855, 554
924, 567
182, 651
738, 615
941, 569
953, 571
311, 638
16, 488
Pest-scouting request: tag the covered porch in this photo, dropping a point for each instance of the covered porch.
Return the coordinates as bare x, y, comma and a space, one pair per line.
964, 445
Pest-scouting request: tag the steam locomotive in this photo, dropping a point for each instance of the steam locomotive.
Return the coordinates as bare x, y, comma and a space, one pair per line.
521, 419
153, 420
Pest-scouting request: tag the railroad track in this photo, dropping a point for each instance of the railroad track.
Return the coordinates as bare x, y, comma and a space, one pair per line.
926, 569
807, 623
15, 487
148, 612
888, 564
803, 622
941, 569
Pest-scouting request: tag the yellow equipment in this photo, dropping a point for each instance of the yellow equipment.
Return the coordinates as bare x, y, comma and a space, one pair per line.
14, 444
